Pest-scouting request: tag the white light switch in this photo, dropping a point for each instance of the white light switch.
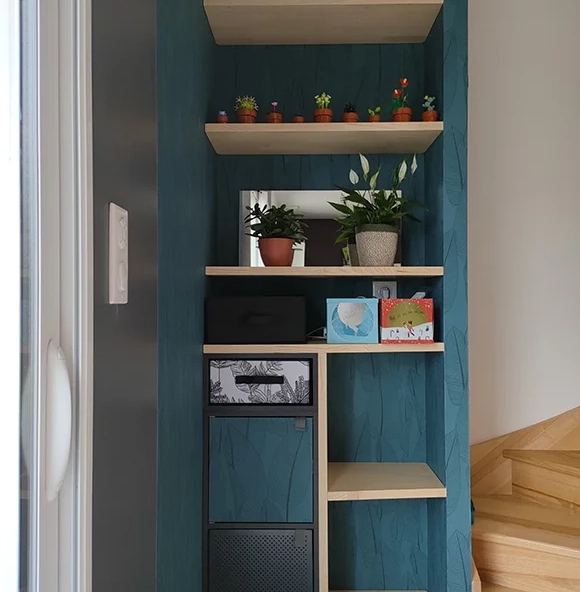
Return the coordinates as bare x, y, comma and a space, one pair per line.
118, 255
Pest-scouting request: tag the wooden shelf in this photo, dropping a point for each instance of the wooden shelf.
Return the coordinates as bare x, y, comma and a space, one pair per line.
344, 271
323, 138
320, 22
380, 481
321, 347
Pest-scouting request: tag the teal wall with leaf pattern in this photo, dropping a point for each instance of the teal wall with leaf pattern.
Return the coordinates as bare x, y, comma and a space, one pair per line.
186, 194
391, 544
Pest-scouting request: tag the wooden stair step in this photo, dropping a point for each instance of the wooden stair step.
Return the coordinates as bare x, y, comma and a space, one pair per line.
506, 553
509, 508
563, 461
489, 587
520, 583
548, 477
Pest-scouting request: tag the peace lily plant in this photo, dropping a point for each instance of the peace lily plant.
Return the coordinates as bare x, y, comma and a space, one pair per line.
371, 218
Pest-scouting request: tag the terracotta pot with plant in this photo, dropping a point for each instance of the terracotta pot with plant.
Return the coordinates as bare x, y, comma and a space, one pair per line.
246, 109
430, 114
274, 116
222, 117
322, 113
375, 115
278, 229
401, 111
376, 214
349, 114
298, 118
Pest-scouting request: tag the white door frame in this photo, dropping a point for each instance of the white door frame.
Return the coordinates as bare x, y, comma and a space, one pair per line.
10, 293
84, 96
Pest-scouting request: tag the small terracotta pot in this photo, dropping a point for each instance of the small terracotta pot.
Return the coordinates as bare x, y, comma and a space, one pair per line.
374, 118
274, 117
276, 252
222, 118
247, 115
298, 119
350, 117
322, 115
430, 116
402, 114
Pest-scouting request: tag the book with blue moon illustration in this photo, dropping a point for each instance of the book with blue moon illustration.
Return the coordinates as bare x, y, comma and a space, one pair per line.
352, 320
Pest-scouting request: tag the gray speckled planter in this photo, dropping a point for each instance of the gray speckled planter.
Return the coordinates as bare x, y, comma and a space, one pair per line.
376, 245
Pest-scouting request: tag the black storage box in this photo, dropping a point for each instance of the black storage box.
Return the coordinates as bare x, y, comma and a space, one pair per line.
255, 319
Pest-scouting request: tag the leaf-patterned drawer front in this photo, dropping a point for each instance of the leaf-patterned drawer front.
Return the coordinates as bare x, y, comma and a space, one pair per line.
260, 382
260, 470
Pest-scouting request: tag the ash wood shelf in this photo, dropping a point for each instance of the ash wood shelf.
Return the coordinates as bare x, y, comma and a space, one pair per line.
320, 22
321, 347
381, 481
344, 271
323, 138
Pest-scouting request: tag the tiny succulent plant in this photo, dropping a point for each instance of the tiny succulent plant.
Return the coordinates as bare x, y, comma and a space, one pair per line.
350, 108
274, 106
222, 113
322, 100
375, 111
400, 94
429, 104
246, 102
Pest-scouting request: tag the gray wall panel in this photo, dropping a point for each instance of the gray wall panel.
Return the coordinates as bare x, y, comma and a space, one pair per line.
125, 336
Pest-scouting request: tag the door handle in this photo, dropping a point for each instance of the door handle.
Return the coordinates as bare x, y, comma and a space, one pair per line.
58, 420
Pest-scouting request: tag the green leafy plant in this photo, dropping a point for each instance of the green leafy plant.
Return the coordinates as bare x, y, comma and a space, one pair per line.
429, 104
246, 102
375, 111
322, 100
370, 205
275, 222
400, 98
350, 108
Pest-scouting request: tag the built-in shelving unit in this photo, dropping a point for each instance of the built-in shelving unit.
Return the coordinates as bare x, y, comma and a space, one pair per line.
323, 138
381, 408
319, 22
321, 272
382, 481
321, 347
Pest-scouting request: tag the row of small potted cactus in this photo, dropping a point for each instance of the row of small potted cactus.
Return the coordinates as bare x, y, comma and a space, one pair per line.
247, 109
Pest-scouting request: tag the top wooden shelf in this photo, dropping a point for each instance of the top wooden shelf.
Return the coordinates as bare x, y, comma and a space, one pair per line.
323, 138
320, 22
321, 272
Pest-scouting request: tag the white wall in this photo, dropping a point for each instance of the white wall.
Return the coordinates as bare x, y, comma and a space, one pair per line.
524, 212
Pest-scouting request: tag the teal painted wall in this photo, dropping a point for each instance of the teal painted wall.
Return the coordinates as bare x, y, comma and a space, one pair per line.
186, 194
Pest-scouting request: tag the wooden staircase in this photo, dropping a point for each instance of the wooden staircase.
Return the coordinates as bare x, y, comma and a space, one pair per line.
529, 541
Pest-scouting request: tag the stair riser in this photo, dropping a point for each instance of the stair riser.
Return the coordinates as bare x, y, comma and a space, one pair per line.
529, 583
518, 561
545, 486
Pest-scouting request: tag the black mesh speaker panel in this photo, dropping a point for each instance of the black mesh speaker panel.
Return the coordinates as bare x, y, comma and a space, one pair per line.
260, 561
